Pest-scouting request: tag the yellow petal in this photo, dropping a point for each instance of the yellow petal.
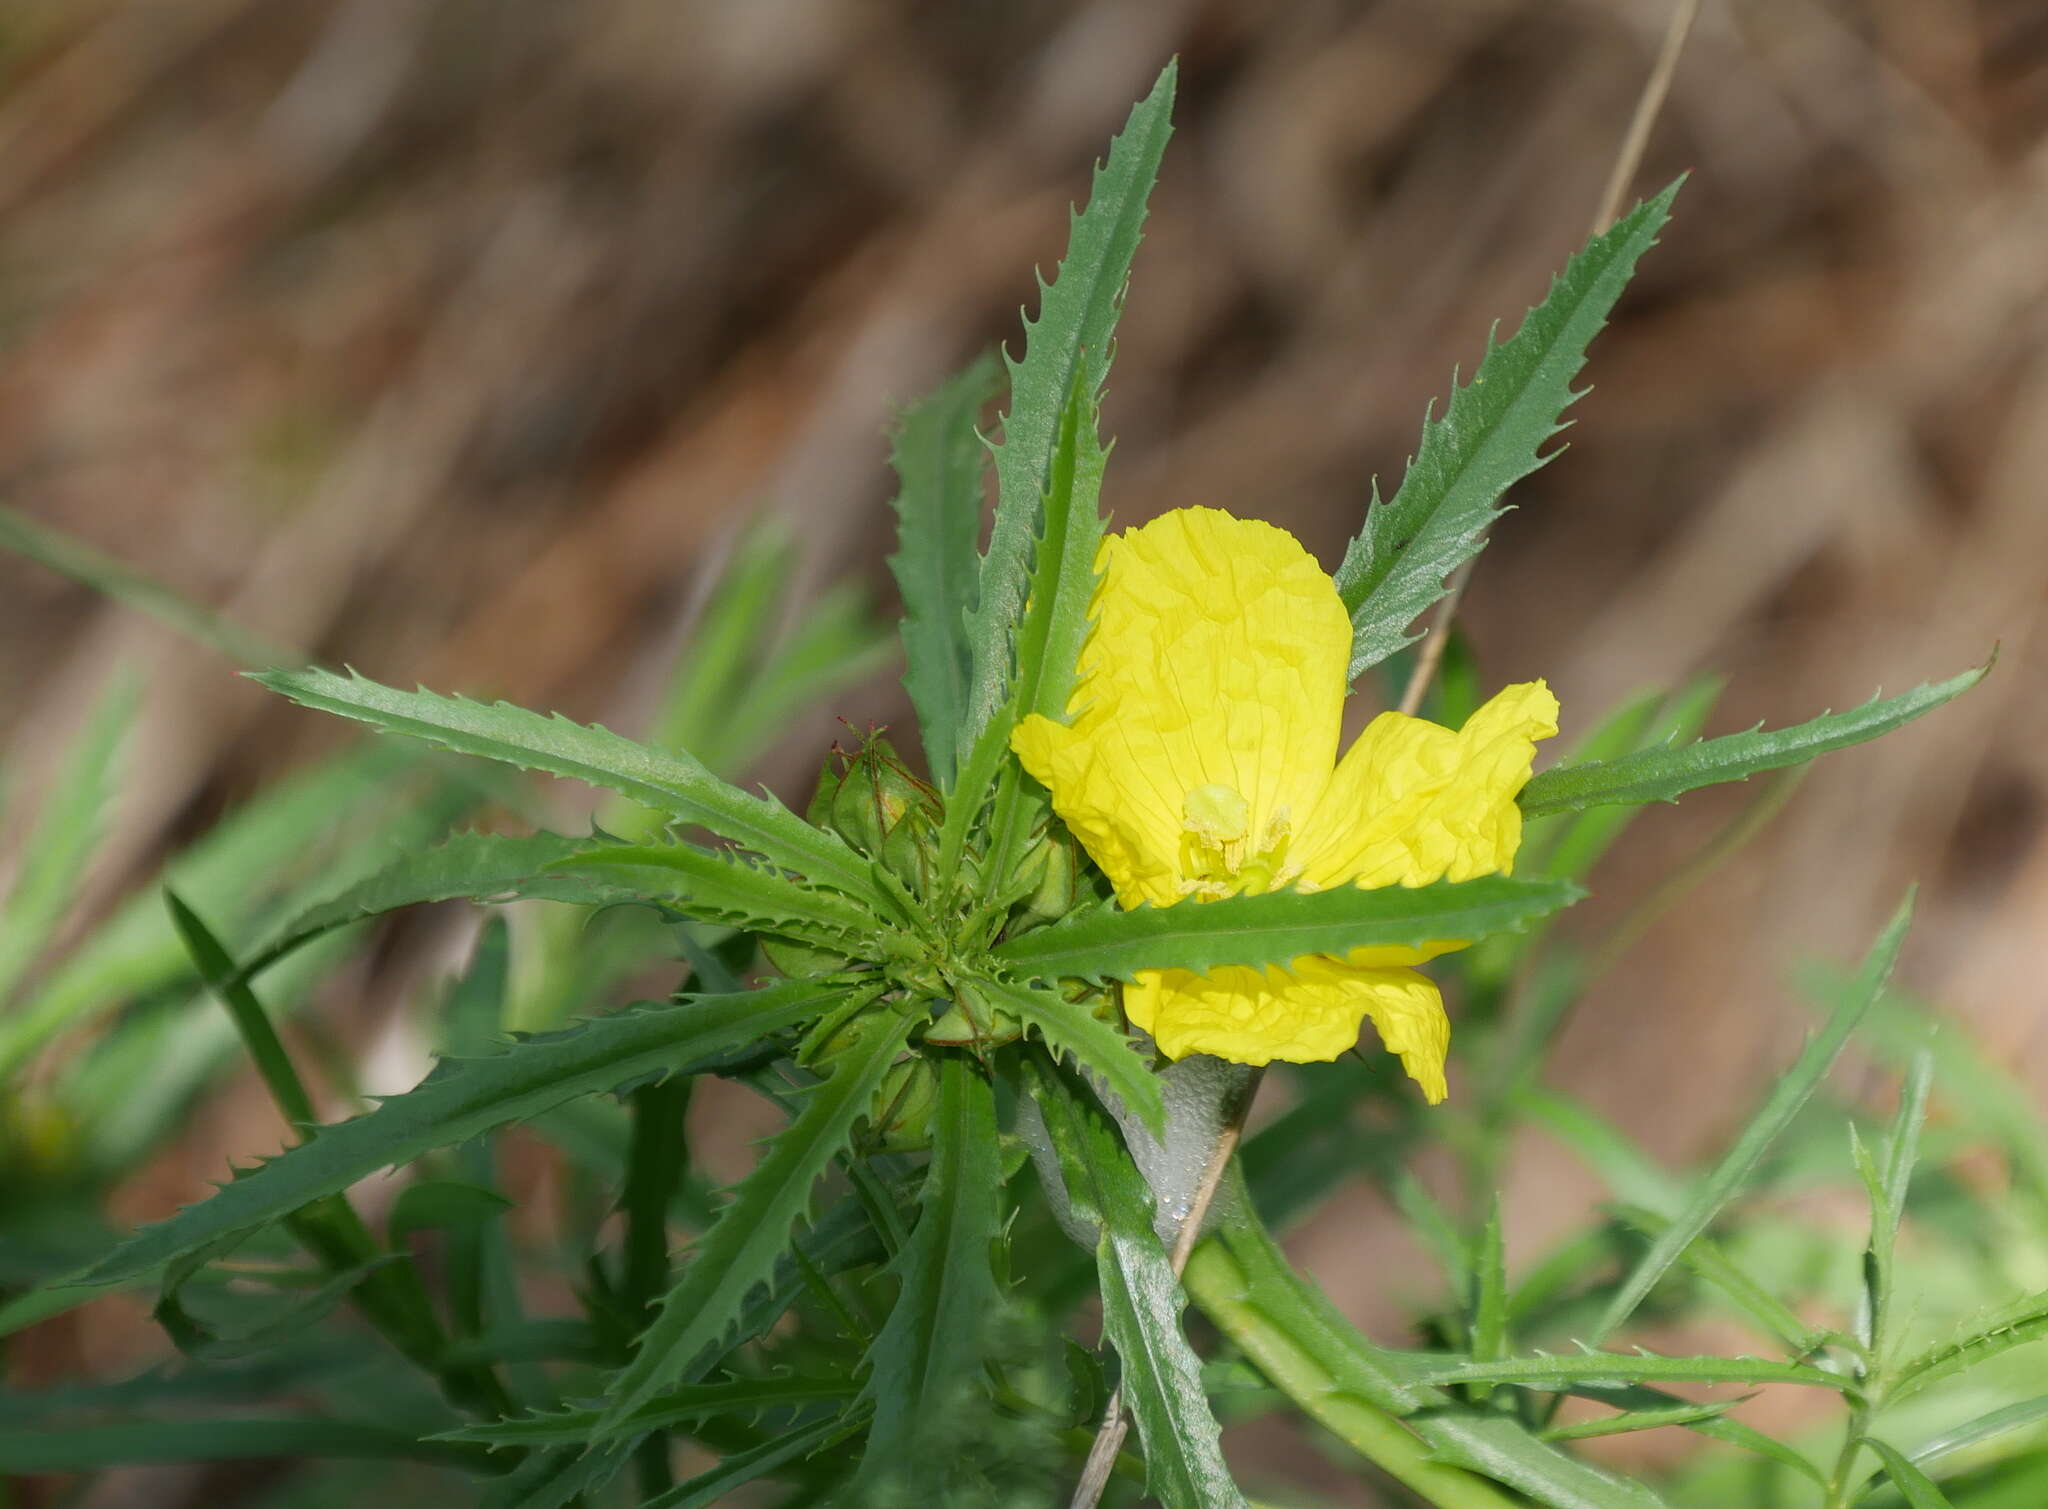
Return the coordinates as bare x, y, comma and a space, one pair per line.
1413, 802
1215, 669
1308, 1012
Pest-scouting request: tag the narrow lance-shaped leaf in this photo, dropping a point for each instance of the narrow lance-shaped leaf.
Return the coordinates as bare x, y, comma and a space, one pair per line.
1279, 926
939, 458
1915, 1486
2015, 1325
1070, 1030
720, 888
669, 780
927, 1358
1076, 318
1141, 1304
67, 831
1051, 632
1664, 775
465, 1097
1790, 1093
1491, 435
1553, 1373
475, 866
740, 1250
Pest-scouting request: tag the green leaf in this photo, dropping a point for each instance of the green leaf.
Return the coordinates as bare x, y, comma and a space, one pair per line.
1555, 1373
74, 558
1068, 344
1566, 845
1915, 1486
1309, 1351
1491, 435
442, 1205
465, 1097
1049, 637
1709, 1262
473, 866
94, 1448
67, 831
1072, 1031
722, 887
1961, 1437
2014, 1325
666, 779
558, 1477
1278, 926
1629, 1421
1786, 1097
710, 1486
740, 1250
939, 458
925, 1363
1664, 775
1490, 1296
1640, 1397
740, 1398
1141, 1303
1887, 1187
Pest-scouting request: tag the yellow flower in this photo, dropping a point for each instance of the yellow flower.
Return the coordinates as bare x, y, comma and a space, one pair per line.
1199, 760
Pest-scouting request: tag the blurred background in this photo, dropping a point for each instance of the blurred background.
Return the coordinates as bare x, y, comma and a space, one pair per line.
458, 341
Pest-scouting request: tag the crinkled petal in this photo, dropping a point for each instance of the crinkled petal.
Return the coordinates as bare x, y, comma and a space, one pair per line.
1413, 802
1217, 659
1306, 1012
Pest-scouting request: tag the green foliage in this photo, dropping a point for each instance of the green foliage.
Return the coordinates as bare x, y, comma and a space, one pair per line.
740, 1250
1278, 926
669, 780
939, 459
927, 1359
1067, 349
1664, 775
1490, 436
466, 1097
1141, 1302
949, 1009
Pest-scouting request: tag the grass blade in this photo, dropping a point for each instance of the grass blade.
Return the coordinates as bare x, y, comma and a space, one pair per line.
1786, 1098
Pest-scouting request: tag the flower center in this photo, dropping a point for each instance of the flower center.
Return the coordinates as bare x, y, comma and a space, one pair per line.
1217, 855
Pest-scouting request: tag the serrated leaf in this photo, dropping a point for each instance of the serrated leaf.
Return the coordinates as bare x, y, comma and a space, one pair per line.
1555, 1373
1491, 435
939, 458
472, 866
740, 1467
1141, 1303
2015, 1325
67, 832
743, 1399
465, 1097
1664, 775
558, 1477
1783, 1103
1054, 625
1069, 343
1709, 1262
1278, 926
739, 1252
726, 887
668, 780
927, 1358
1072, 1031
